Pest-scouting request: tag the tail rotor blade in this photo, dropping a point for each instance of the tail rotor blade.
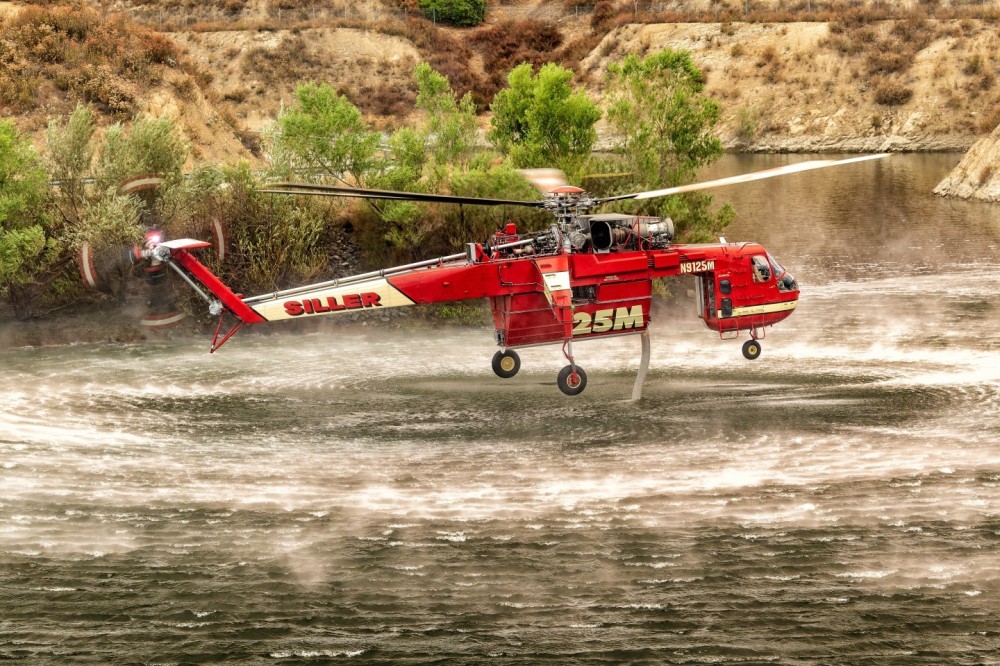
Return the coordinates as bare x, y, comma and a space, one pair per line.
101, 267
163, 310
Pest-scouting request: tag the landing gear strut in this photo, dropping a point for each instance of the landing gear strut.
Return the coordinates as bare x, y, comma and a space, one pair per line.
506, 363
751, 349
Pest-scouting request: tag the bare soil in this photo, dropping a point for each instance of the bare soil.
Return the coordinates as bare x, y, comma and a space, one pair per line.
782, 88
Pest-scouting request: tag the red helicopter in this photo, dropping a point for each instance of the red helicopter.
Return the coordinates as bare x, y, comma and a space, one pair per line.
588, 276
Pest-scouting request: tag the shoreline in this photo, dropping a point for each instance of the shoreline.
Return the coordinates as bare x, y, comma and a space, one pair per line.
99, 323
96, 322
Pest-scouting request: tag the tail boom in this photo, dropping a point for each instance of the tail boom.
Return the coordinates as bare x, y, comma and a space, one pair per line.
447, 278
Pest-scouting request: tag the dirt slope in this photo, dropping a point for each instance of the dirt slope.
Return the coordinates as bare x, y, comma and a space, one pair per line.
255, 73
783, 89
782, 86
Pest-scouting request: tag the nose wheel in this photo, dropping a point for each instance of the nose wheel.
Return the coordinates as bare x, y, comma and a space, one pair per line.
506, 363
572, 380
751, 349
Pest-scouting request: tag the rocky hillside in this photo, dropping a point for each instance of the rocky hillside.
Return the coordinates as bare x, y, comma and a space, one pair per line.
907, 84
977, 176
54, 57
861, 80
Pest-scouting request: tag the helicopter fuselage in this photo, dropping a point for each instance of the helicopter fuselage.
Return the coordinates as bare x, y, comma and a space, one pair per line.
546, 298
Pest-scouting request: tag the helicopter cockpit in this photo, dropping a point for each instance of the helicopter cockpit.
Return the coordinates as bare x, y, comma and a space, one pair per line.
766, 266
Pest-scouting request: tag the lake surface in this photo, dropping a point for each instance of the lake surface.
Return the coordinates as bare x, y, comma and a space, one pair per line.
369, 496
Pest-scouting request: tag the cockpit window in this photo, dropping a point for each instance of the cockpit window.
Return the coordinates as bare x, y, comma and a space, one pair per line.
787, 283
778, 270
761, 269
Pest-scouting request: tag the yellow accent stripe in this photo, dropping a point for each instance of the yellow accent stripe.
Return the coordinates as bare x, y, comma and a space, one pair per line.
274, 309
760, 309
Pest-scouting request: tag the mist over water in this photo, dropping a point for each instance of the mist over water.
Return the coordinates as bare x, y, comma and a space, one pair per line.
373, 496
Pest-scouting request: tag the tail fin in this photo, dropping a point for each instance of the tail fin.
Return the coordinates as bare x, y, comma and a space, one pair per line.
177, 255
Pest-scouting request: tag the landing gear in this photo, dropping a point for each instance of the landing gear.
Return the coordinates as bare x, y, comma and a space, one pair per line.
751, 349
506, 363
572, 380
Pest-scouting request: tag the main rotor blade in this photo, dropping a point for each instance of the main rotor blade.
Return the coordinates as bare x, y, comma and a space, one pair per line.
744, 178
392, 195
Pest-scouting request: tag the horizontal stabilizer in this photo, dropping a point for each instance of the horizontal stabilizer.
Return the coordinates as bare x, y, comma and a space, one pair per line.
184, 244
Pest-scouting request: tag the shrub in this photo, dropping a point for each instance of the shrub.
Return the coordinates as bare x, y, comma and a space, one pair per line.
151, 145
891, 93
508, 44
973, 65
747, 125
888, 62
26, 244
77, 51
768, 55
384, 99
604, 12
990, 121
291, 59
101, 86
458, 12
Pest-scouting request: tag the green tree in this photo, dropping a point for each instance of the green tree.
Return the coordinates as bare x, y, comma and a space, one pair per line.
149, 146
98, 213
425, 159
540, 121
275, 241
325, 135
451, 121
665, 128
70, 143
27, 247
458, 12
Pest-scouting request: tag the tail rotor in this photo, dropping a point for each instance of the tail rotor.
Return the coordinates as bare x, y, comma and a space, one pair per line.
112, 269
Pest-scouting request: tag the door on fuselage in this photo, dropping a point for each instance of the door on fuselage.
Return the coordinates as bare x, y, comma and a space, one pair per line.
706, 297
714, 298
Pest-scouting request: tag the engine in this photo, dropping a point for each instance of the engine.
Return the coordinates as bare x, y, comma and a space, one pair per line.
610, 232
624, 232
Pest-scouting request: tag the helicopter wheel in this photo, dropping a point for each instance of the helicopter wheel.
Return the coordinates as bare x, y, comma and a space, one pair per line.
751, 349
572, 383
506, 363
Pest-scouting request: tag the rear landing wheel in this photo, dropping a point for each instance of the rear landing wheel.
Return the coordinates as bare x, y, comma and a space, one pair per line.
751, 349
506, 363
570, 382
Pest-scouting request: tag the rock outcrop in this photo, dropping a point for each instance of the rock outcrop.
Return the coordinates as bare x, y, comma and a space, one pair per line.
977, 176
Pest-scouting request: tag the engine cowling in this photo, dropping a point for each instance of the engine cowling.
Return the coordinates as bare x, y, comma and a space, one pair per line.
630, 231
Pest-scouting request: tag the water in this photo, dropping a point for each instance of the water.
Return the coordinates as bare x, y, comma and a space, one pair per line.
369, 496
